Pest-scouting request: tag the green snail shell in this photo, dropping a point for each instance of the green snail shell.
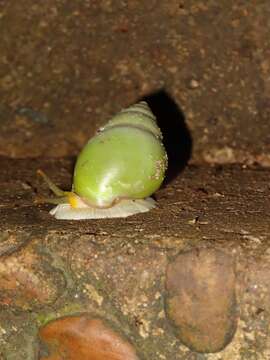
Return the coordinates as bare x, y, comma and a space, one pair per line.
126, 159
124, 163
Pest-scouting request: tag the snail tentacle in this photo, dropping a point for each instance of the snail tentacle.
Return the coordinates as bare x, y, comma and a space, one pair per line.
52, 186
54, 201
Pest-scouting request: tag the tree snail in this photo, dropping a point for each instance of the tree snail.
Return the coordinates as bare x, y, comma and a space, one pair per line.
117, 171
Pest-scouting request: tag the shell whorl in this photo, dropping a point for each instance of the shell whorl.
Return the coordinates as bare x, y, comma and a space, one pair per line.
138, 115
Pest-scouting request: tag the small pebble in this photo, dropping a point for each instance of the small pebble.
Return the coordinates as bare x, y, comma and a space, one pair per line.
194, 84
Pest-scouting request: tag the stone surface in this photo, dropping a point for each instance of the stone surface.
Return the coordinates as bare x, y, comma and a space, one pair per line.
27, 281
83, 338
201, 299
115, 269
66, 67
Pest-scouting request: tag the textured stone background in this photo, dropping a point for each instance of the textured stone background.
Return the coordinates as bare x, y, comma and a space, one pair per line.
189, 277
188, 280
66, 67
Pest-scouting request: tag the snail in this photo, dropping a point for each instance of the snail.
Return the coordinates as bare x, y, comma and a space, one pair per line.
117, 171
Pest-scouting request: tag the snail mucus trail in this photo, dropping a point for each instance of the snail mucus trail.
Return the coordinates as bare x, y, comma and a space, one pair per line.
117, 171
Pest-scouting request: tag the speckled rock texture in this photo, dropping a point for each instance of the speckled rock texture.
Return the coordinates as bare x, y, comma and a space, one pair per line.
67, 66
127, 283
200, 299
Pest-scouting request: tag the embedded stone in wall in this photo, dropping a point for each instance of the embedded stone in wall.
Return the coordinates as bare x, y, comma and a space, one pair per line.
25, 282
200, 299
83, 338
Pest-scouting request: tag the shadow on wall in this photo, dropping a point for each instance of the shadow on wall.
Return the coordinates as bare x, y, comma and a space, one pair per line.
176, 136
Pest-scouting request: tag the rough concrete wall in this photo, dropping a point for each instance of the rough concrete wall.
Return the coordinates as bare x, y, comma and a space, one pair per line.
188, 280
66, 67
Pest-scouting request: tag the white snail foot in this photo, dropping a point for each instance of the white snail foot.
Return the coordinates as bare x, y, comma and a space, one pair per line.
121, 210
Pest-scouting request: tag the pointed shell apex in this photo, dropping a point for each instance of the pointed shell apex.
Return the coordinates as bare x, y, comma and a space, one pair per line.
139, 115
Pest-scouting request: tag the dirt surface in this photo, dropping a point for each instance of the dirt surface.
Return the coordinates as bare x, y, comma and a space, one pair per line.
116, 269
66, 67
208, 203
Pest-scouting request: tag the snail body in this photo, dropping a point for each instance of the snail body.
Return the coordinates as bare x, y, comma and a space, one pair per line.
118, 169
